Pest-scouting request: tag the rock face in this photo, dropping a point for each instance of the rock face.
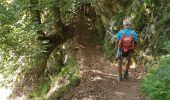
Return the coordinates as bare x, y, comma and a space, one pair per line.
57, 88
54, 62
64, 72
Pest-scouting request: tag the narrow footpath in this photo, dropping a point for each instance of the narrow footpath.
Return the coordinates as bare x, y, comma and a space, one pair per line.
98, 81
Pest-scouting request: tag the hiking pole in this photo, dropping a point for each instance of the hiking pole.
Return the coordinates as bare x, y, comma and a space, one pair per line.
110, 33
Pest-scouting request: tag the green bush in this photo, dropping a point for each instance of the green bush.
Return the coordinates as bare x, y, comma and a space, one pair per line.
108, 47
41, 91
157, 84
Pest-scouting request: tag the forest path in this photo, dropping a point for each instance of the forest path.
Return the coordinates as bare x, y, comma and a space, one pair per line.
98, 76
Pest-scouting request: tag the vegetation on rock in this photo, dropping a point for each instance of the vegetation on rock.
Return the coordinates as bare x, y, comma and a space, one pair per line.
34, 46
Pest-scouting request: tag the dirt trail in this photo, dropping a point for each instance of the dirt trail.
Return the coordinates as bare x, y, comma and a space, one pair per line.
98, 80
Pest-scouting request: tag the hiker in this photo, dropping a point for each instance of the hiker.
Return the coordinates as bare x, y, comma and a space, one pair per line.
126, 40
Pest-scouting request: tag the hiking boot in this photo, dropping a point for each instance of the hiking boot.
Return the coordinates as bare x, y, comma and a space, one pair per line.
119, 78
125, 75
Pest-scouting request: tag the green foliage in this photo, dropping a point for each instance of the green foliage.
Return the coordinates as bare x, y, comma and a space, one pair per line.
68, 7
167, 47
70, 75
73, 81
18, 34
54, 62
19, 47
69, 68
108, 47
157, 84
41, 91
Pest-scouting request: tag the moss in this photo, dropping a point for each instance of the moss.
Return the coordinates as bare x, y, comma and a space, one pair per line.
41, 91
73, 81
69, 74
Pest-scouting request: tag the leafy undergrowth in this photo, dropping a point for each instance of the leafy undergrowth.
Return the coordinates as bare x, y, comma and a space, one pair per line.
41, 91
157, 84
58, 84
66, 79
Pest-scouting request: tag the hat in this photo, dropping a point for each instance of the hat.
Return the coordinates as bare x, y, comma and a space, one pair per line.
127, 21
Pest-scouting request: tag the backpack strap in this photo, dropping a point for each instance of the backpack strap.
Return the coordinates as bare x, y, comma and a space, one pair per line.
132, 32
120, 42
133, 44
123, 32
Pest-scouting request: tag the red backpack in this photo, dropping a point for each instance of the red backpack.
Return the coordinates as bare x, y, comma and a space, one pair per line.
127, 42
